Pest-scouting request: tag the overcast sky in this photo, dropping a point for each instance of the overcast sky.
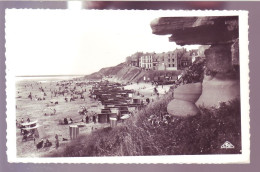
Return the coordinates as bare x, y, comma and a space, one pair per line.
62, 42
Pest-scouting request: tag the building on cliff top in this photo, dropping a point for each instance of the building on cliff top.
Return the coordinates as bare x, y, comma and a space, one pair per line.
178, 59
133, 60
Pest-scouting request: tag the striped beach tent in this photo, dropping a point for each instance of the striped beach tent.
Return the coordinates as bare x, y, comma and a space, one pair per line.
74, 131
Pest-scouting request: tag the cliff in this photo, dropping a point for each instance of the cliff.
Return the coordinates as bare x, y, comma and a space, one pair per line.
125, 73
120, 72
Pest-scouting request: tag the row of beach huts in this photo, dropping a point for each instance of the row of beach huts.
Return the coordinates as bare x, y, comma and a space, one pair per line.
117, 103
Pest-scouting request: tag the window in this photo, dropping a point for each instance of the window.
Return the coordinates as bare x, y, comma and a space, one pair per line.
169, 65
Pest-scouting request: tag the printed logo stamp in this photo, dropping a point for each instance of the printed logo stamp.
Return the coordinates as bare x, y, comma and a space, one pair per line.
227, 145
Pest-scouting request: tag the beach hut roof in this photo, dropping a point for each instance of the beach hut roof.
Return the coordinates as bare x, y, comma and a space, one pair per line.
32, 128
29, 123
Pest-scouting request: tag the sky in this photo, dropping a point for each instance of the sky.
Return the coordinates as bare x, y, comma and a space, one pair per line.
69, 42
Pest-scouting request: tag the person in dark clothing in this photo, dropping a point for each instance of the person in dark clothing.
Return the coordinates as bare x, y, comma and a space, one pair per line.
47, 143
65, 121
56, 136
40, 144
57, 144
87, 119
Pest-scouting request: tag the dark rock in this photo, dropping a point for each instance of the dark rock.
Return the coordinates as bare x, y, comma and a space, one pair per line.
218, 58
197, 30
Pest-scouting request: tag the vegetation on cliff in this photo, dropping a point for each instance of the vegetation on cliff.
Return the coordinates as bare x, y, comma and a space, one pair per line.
153, 132
195, 73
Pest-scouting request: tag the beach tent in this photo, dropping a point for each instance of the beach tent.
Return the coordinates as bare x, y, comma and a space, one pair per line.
74, 131
29, 124
113, 122
35, 127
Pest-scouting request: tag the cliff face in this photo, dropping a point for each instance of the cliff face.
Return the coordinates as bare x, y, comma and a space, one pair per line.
106, 72
125, 73
121, 72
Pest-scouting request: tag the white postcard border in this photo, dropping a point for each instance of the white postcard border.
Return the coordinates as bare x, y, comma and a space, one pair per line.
179, 159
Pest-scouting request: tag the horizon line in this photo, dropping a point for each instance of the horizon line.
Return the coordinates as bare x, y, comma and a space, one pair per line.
49, 75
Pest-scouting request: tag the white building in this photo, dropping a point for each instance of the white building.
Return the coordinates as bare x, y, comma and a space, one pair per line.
146, 61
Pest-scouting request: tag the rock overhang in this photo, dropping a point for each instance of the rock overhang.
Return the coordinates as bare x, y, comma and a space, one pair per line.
197, 30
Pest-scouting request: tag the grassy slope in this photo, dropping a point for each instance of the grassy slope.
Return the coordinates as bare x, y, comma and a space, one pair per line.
201, 134
106, 71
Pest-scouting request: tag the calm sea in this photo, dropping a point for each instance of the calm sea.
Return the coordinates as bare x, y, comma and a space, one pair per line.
46, 78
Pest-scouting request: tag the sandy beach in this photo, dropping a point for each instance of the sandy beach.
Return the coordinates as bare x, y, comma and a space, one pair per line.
50, 124
43, 104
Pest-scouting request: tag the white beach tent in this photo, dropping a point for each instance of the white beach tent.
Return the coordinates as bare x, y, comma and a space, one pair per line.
38, 129
29, 124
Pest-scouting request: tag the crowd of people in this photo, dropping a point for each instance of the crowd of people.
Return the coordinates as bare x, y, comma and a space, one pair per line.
68, 89
52, 94
63, 92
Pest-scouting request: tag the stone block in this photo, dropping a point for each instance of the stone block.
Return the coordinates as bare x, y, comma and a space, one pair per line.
184, 100
216, 90
218, 58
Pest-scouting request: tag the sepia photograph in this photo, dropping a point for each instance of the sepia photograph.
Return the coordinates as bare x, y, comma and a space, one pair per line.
127, 86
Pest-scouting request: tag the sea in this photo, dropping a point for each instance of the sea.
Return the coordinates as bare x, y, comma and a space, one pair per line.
47, 78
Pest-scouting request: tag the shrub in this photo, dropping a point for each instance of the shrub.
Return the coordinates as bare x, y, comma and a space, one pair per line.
195, 73
126, 140
201, 134
153, 132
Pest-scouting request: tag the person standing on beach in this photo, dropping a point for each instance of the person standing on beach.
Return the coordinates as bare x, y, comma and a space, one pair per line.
34, 139
94, 118
87, 119
30, 96
57, 141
